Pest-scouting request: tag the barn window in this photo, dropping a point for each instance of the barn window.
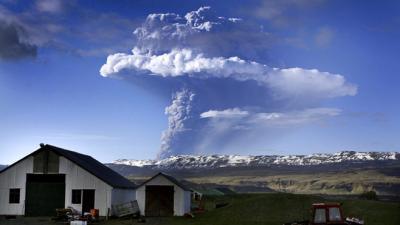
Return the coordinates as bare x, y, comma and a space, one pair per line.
76, 196
14, 196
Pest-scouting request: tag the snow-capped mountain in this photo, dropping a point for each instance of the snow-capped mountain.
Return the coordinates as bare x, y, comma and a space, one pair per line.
218, 161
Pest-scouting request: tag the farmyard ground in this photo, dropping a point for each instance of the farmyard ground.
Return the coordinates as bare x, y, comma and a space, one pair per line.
257, 209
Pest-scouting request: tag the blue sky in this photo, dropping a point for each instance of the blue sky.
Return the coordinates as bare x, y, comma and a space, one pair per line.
52, 90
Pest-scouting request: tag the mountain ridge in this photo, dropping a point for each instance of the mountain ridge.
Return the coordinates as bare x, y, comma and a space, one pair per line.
221, 161
346, 172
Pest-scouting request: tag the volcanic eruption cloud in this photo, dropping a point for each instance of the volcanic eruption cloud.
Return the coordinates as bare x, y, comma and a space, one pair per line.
222, 91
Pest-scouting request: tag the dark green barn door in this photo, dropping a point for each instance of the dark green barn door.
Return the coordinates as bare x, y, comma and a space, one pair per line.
159, 200
44, 194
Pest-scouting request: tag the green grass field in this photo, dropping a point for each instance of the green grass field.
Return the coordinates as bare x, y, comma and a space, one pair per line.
277, 208
257, 209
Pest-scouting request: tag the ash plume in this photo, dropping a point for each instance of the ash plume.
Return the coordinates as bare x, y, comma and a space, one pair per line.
224, 94
179, 113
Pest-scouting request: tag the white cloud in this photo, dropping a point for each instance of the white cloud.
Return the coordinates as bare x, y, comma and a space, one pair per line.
196, 20
291, 82
165, 31
175, 26
180, 62
298, 82
227, 113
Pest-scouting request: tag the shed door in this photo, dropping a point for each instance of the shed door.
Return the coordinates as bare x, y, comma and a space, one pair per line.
159, 200
44, 194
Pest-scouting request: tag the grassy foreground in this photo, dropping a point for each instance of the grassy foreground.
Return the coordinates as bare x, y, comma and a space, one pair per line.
257, 209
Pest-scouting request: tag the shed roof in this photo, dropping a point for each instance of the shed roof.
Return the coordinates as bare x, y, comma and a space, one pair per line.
209, 192
89, 164
169, 177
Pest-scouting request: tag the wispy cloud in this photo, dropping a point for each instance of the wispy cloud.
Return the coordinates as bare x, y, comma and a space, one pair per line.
49, 6
295, 117
283, 13
12, 45
46, 24
227, 113
324, 36
246, 119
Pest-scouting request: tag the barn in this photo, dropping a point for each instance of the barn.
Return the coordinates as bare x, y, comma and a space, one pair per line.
53, 177
163, 195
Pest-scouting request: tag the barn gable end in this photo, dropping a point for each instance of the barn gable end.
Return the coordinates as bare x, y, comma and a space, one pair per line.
52, 172
158, 186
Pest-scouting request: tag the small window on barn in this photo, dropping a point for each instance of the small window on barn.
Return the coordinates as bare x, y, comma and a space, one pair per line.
76, 196
14, 196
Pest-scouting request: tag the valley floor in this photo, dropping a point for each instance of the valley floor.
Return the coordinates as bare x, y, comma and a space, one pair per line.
257, 209
351, 182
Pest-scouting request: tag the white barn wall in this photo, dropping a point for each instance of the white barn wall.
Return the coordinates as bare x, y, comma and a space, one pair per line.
14, 177
187, 203
78, 178
141, 198
182, 198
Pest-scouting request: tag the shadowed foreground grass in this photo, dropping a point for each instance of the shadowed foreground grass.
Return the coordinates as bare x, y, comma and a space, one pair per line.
257, 209
275, 209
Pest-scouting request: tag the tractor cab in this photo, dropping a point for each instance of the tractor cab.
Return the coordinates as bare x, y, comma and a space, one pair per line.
327, 213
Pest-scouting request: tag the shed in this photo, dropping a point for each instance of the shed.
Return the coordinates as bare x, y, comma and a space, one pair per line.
163, 195
52, 177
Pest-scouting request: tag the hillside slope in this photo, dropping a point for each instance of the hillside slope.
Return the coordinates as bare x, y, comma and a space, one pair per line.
341, 178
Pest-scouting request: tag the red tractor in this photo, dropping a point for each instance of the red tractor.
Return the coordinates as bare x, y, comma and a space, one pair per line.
327, 214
